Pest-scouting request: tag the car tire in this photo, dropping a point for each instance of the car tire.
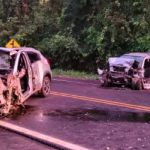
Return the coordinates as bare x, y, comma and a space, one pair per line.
104, 83
45, 90
138, 85
133, 84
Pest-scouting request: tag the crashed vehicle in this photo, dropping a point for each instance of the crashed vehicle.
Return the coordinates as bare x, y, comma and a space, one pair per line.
131, 69
16, 88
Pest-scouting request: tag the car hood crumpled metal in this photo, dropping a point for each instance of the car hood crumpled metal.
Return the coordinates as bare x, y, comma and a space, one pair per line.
120, 62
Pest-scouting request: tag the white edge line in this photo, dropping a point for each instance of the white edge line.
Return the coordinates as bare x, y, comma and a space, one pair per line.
41, 137
74, 81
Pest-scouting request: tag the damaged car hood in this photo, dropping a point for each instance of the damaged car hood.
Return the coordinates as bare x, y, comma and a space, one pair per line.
120, 62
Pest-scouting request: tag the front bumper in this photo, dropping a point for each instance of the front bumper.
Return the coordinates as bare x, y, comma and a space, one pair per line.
118, 78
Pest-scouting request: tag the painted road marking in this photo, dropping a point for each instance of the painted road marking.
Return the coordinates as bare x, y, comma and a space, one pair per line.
74, 82
108, 102
41, 137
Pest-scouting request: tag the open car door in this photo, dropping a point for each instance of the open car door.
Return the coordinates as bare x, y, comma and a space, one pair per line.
26, 81
35, 66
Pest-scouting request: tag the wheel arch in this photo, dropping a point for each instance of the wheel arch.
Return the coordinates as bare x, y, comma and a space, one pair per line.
48, 74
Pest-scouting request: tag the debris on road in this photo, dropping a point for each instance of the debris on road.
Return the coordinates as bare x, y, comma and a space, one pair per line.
10, 93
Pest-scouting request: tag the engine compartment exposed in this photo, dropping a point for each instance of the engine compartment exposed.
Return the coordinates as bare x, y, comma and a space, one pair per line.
129, 70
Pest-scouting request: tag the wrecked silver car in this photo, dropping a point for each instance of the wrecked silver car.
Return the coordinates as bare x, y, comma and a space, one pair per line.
23, 71
131, 69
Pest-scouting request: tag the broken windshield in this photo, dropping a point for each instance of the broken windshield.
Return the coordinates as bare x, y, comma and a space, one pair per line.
4, 60
137, 58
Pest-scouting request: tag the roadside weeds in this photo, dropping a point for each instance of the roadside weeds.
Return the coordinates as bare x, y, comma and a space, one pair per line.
74, 74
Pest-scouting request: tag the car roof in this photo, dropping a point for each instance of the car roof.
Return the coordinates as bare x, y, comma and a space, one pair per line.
18, 49
138, 54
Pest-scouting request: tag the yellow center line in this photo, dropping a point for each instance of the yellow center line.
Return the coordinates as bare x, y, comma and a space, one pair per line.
108, 102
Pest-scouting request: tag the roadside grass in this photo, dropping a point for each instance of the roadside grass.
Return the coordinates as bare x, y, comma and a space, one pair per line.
74, 74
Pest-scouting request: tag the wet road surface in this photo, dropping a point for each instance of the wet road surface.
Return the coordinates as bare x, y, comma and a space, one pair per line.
89, 124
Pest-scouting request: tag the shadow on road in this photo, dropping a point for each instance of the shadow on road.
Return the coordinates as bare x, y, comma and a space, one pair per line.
96, 115
100, 115
27, 109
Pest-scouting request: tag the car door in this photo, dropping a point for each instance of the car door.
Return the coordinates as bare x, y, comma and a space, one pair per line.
22, 56
35, 66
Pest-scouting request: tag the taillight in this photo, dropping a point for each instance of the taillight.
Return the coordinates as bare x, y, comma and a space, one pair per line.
48, 61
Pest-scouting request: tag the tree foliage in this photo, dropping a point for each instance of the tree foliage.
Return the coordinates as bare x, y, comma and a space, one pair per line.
75, 34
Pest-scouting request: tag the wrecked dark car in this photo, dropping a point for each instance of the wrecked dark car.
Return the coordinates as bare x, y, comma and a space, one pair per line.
131, 70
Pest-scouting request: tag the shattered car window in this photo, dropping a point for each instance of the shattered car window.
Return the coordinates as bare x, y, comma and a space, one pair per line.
4, 60
137, 58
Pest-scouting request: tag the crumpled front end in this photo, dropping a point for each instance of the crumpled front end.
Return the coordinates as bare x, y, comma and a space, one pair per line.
10, 94
120, 71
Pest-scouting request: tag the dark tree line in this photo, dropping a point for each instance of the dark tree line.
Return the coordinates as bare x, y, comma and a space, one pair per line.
75, 34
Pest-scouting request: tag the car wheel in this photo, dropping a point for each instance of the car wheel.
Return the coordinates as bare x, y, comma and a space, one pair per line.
138, 85
104, 83
133, 84
45, 91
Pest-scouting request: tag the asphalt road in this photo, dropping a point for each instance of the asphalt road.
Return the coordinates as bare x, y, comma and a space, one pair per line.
82, 113
12, 141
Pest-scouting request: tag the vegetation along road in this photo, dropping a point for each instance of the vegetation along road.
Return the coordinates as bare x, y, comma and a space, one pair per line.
81, 33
